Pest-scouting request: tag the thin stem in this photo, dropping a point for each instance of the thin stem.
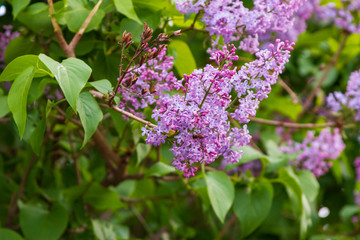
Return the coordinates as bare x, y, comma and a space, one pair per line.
226, 227
288, 89
206, 94
69, 49
83, 27
123, 112
57, 30
13, 204
294, 125
322, 79
137, 53
192, 25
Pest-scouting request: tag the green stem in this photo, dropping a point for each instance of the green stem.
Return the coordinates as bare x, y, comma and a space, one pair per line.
206, 94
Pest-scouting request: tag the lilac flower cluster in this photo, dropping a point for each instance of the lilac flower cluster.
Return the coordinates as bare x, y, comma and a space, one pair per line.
315, 151
198, 120
299, 25
233, 21
141, 86
5, 38
346, 17
351, 99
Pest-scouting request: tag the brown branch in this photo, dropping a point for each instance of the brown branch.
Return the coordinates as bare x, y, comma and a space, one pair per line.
57, 30
226, 227
192, 26
13, 206
294, 125
322, 79
83, 27
99, 95
69, 49
288, 89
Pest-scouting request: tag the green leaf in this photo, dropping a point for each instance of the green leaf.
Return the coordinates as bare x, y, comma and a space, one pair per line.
348, 211
160, 169
18, 6
249, 154
184, 60
133, 27
142, 150
300, 201
126, 8
18, 65
252, 205
40, 223
20, 46
103, 230
103, 86
221, 193
17, 99
90, 114
74, 19
8, 234
72, 75
36, 17
102, 198
290, 181
125, 188
309, 185
37, 136
4, 108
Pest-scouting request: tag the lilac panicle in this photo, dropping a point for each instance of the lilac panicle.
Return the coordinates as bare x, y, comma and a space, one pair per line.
314, 152
233, 21
351, 99
253, 81
153, 78
198, 120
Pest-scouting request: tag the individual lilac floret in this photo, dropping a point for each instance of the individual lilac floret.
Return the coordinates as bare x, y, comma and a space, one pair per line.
315, 152
152, 79
198, 120
351, 99
5, 38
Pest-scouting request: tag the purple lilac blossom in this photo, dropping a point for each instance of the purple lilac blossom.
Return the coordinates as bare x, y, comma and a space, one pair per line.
233, 21
155, 76
351, 99
5, 38
346, 17
199, 117
314, 152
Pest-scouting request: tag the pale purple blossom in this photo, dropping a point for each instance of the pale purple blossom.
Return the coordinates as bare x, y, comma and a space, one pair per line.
337, 101
153, 78
315, 152
234, 22
198, 120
